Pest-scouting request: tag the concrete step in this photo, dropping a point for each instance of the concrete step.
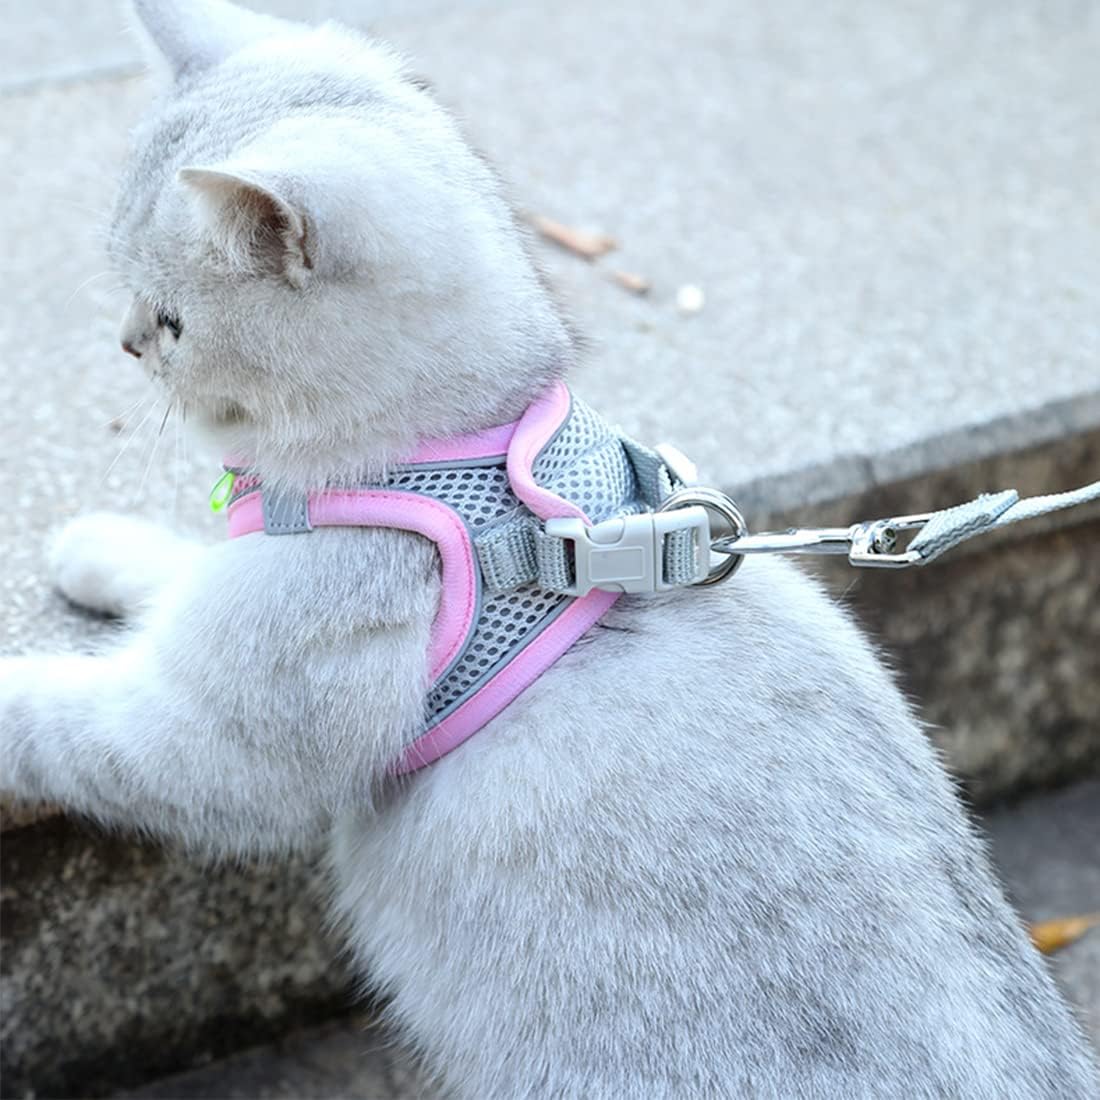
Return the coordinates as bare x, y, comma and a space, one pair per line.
898, 241
124, 961
342, 1059
1047, 853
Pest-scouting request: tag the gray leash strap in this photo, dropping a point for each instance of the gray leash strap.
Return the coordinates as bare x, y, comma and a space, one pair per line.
954, 525
874, 543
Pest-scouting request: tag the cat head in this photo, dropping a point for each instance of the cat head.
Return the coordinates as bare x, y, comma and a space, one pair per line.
323, 271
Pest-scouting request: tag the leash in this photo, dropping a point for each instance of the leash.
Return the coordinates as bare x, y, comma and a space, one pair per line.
874, 543
602, 553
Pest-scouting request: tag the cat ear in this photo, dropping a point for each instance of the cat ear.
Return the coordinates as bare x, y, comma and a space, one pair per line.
252, 220
188, 36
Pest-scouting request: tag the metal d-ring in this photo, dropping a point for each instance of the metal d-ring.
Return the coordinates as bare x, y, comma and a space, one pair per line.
713, 501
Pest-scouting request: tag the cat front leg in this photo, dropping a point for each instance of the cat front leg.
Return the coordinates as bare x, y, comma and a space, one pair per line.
116, 564
237, 719
122, 739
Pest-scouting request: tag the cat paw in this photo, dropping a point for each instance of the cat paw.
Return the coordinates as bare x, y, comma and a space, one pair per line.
113, 564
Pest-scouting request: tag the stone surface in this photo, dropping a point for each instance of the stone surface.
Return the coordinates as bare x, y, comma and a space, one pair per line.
344, 1060
999, 641
60, 41
1047, 852
123, 961
896, 242
1003, 649
891, 211
897, 239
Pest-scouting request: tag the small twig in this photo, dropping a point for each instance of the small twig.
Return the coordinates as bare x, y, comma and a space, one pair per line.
589, 246
629, 280
1052, 935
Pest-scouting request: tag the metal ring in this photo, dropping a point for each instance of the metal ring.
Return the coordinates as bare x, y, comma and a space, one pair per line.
714, 501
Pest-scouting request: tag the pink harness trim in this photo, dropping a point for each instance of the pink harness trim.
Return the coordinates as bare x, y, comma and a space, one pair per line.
512, 680
406, 512
486, 444
535, 429
521, 442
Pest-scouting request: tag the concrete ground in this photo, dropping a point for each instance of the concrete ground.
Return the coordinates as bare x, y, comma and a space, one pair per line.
891, 211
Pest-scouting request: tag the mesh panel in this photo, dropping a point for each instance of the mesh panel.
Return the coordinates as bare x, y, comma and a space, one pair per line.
587, 465
243, 484
584, 464
505, 622
583, 430
479, 494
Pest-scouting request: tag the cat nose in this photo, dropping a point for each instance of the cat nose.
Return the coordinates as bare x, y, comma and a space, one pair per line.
130, 349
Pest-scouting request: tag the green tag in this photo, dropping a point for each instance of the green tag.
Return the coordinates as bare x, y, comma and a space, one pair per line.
222, 491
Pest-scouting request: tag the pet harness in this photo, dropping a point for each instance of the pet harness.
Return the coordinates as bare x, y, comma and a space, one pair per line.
543, 523
540, 525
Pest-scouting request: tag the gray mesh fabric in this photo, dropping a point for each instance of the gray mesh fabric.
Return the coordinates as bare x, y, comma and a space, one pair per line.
508, 621
479, 494
585, 463
654, 480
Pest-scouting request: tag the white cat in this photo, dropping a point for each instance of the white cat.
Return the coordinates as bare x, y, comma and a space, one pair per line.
708, 854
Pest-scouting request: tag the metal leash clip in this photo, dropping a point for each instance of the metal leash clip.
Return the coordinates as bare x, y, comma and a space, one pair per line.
873, 543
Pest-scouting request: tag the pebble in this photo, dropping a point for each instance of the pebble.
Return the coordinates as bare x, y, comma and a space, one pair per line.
690, 298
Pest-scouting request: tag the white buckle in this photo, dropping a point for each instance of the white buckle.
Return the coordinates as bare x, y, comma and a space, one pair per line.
626, 554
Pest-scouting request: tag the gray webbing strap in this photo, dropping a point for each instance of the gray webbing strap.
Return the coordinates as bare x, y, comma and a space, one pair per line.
285, 513
655, 482
679, 557
990, 511
555, 572
506, 551
516, 550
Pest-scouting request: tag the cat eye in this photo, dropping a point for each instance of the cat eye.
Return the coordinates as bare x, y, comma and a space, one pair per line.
170, 321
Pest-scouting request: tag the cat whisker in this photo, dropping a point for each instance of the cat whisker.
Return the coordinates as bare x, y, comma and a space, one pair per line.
87, 282
121, 419
129, 439
153, 449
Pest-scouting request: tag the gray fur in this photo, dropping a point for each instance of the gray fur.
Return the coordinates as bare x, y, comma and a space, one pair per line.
709, 854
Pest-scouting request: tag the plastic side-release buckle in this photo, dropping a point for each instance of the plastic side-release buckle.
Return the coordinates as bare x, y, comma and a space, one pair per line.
627, 553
